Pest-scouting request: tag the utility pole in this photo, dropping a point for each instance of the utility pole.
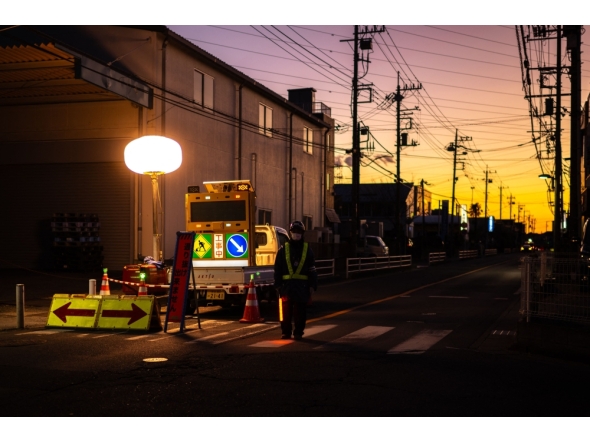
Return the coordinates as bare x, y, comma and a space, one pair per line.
398, 97
486, 197
364, 43
501, 188
356, 152
455, 146
511, 202
552, 135
520, 208
558, 166
573, 34
423, 243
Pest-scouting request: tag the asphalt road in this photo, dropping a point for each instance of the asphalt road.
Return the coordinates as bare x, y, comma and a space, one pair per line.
433, 341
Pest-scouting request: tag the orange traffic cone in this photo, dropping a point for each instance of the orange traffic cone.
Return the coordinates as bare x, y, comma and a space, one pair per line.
142, 289
104, 287
251, 312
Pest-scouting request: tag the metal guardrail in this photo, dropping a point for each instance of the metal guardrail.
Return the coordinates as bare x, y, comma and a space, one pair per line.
490, 252
555, 288
360, 264
440, 256
325, 267
466, 254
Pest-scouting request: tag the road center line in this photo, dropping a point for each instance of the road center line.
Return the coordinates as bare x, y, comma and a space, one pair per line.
449, 297
405, 293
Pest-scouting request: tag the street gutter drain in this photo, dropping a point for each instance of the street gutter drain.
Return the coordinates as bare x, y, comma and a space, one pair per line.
155, 359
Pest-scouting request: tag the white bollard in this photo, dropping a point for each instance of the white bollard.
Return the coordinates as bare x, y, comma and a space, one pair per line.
92, 287
20, 306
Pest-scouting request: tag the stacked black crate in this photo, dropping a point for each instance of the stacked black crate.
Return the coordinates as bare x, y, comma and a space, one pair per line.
76, 242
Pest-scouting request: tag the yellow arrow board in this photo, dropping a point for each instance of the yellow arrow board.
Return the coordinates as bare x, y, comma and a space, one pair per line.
73, 311
126, 313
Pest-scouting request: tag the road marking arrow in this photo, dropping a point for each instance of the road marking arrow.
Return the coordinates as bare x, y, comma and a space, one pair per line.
239, 248
64, 311
135, 314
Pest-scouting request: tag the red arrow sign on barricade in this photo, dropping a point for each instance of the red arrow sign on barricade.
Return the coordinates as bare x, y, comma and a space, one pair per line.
135, 314
64, 311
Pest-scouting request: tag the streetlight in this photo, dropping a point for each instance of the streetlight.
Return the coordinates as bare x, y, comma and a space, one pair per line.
154, 156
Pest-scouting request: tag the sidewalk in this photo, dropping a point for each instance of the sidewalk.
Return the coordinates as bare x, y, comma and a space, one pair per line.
39, 288
554, 338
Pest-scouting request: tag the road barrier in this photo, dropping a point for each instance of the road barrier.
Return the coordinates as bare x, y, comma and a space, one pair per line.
361, 264
325, 267
555, 288
437, 257
491, 251
466, 254
110, 312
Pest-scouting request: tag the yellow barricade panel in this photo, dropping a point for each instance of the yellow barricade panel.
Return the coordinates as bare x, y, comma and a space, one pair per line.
73, 311
126, 313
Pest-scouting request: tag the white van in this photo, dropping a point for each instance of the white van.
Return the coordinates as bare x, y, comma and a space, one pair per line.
374, 246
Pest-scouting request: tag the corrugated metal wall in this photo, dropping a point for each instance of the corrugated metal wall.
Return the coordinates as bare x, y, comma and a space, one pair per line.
35, 192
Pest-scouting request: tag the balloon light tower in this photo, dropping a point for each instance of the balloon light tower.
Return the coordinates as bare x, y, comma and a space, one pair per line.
154, 156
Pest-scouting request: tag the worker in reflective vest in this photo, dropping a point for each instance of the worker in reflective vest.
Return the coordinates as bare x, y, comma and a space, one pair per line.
296, 279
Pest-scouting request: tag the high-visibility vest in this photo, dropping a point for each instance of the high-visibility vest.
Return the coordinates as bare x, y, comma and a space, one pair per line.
297, 274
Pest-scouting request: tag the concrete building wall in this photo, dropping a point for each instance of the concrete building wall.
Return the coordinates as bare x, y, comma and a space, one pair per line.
214, 147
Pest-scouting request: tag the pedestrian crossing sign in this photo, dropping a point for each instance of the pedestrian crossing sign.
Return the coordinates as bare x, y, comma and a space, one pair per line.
202, 247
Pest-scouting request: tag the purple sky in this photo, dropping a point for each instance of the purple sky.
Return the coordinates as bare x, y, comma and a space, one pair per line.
471, 81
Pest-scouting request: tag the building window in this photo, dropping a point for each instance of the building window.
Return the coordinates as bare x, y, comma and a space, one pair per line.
265, 120
203, 89
307, 222
264, 217
307, 140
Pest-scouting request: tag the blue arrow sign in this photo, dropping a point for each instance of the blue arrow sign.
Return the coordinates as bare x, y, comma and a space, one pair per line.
236, 245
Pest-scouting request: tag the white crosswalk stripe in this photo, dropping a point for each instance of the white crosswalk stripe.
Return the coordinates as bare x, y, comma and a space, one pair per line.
233, 334
420, 342
43, 332
359, 336
309, 331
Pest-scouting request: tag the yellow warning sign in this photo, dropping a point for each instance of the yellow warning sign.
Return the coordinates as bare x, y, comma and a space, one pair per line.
202, 247
73, 311
104, 311
126, 313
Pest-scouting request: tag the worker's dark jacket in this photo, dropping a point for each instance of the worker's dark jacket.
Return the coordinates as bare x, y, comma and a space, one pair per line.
290, 283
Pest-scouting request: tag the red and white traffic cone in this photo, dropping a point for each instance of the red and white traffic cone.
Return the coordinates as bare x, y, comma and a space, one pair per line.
142, 289
104, 286
251, 312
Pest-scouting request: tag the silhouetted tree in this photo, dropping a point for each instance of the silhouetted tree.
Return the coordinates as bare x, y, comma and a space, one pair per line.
475, 210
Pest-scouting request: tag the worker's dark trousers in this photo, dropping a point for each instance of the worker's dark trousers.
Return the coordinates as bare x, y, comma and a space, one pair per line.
293, 312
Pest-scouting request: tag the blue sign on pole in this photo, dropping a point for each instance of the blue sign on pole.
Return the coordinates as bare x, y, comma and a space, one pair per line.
491, 224
236, 245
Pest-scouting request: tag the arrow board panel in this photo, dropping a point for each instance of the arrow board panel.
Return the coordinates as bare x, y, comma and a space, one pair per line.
126, 313
71, 311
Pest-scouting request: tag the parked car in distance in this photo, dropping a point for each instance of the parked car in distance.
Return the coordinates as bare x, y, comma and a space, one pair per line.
374, 246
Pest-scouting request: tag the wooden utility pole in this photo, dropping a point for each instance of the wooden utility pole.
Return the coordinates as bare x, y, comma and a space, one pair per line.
362, 42
501, 188
573, 34
398, 97
558, 167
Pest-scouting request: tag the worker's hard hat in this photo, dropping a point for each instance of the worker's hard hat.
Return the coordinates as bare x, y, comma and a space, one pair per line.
297, 225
